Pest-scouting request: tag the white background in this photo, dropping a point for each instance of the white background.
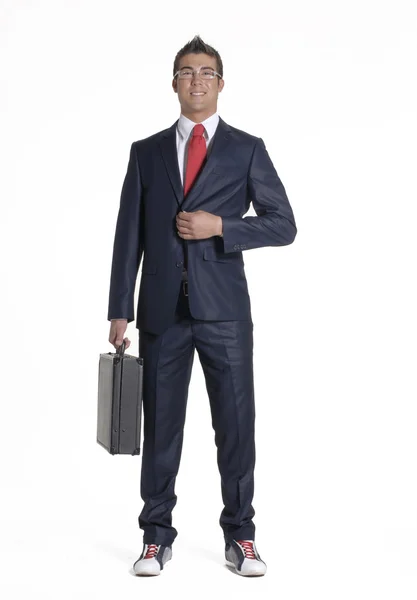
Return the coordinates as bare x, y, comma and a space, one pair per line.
331, 89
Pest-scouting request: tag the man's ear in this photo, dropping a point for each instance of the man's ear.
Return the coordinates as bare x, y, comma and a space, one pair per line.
174, 86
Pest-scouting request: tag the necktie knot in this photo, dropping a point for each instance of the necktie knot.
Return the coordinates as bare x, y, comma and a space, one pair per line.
198, 130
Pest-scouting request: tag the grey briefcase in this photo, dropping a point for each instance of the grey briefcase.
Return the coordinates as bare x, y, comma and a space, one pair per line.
119, 409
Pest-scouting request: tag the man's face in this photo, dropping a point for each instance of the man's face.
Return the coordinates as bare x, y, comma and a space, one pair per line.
207, 102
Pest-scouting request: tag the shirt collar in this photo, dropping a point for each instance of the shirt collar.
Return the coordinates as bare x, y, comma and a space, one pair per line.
185, 126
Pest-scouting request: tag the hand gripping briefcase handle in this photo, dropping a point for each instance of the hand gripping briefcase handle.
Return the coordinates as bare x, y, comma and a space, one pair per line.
119, 403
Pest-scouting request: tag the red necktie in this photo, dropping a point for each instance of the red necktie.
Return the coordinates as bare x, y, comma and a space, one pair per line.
197, 151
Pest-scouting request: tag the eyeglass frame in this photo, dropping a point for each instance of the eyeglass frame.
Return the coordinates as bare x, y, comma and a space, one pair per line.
198, 73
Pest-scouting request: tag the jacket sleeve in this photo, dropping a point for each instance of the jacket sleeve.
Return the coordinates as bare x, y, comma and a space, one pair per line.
274, 224
128, 244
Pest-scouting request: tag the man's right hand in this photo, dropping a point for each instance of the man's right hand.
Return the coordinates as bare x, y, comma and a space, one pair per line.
117, 330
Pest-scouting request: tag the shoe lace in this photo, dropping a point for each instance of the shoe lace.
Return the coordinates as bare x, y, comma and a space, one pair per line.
247, 548
152, 551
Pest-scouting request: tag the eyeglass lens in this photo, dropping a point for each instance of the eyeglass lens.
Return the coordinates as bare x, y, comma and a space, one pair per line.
204, 74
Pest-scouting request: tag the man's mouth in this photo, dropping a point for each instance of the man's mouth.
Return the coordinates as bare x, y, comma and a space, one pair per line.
197, 93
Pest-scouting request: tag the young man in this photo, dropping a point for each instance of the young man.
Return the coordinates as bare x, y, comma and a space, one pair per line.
182, 204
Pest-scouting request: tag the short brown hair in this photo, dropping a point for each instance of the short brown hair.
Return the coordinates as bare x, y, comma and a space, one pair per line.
197, 46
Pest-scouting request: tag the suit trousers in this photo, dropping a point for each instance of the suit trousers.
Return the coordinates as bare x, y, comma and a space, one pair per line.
225, 350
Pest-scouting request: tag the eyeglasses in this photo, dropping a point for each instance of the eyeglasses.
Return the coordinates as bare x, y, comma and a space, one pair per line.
204, 73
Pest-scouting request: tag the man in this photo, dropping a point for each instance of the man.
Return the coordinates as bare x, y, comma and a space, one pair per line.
182, 204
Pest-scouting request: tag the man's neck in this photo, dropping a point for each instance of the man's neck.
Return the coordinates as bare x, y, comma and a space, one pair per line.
198, 117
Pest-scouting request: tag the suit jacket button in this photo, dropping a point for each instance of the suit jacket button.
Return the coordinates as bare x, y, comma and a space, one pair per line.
179, 264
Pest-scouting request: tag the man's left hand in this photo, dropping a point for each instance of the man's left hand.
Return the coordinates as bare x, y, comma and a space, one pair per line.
198, 225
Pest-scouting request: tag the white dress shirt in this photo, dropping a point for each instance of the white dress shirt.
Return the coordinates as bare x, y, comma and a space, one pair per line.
184, 129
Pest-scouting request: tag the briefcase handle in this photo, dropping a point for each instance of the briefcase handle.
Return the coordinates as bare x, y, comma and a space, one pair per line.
121, 349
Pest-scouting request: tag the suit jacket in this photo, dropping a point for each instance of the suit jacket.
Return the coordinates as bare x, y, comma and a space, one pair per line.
237, 171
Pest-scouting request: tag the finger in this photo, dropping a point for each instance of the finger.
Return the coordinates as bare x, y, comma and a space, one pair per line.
183, 221
183, 229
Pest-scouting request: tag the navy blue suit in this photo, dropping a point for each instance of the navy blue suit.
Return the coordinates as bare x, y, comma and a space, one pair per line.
215, 318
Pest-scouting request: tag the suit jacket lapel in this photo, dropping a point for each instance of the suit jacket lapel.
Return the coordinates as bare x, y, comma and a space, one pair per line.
168, 147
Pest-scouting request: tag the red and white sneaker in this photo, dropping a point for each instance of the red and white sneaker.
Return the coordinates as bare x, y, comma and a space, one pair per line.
244, 557
152, 559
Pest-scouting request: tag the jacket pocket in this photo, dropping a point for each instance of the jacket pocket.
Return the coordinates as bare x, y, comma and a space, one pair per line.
211, 253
